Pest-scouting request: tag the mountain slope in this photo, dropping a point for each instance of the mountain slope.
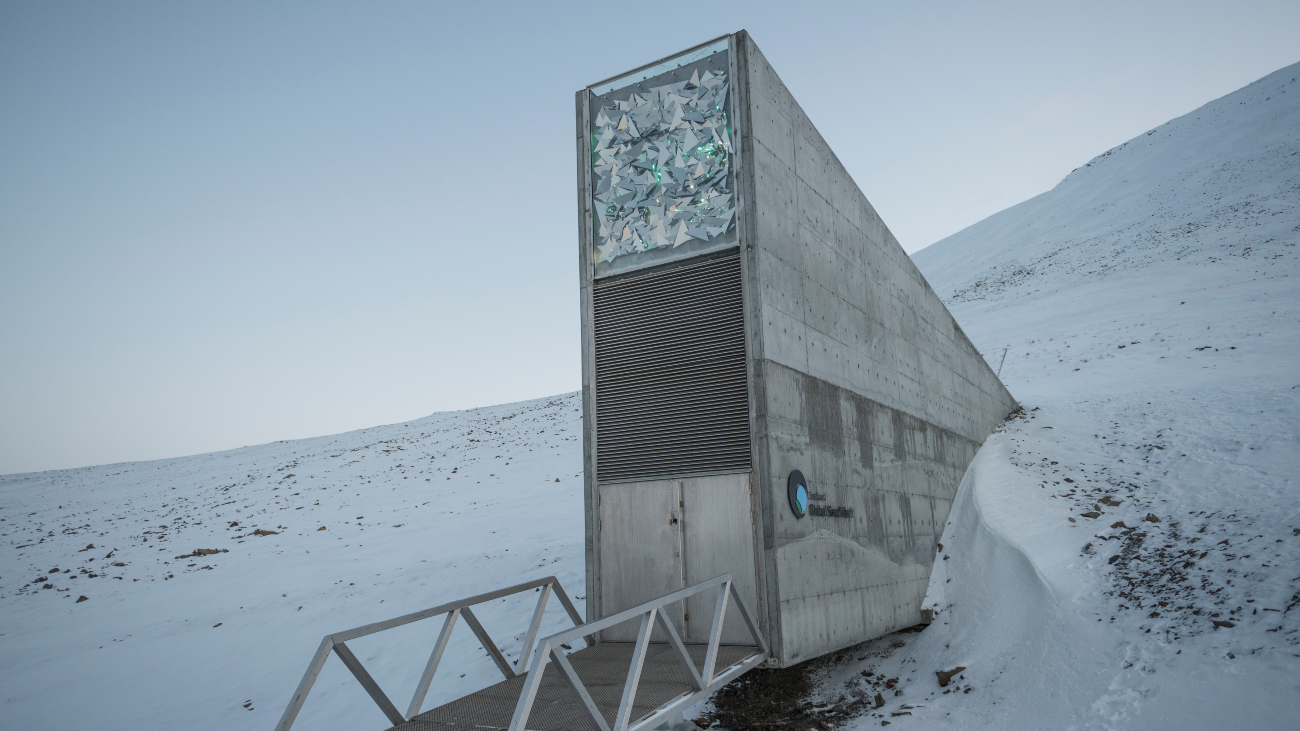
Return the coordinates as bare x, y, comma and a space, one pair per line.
1124, 554
1221, 183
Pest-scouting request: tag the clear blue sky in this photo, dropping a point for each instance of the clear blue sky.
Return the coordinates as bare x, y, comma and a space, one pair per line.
229, 223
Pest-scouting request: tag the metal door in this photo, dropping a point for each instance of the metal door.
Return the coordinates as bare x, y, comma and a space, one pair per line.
658, 537
640, 534
719, 538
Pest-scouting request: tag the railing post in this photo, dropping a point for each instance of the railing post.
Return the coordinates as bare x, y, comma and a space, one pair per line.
634, 672
368, 683
589, 707
749, 619
528, 693
502, 664
715, 633
572, 611
532, 628
304, 686
432, 666
676, 641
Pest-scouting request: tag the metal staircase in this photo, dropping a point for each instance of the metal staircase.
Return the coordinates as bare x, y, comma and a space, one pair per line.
603, 686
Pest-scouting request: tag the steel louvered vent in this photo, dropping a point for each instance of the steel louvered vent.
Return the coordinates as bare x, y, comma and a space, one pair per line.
671, 396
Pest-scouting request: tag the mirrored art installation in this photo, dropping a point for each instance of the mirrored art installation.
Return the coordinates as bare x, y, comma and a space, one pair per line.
661, 166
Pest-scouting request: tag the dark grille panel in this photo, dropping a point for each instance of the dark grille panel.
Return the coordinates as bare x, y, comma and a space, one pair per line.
671, 396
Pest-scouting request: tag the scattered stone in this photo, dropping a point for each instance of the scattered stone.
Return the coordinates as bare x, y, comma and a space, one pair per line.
1108, 500
1222, 623
1113, 559
218, 624
83, 598
901, 713
1118, 524
87, 548
1151, 517
1072, 520
889, 684
261, 532
48, 586
200, 552
945, 676
880, 701
118, 563
321, 528
1091, 514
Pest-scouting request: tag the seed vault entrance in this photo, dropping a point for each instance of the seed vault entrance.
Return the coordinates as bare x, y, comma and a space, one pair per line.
672, 401
662, 536
748, 319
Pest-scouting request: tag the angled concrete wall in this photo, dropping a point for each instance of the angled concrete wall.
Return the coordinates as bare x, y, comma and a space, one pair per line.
861, 379
856, 375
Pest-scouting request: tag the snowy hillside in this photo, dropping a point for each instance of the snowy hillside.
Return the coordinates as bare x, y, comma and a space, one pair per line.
364, 526
1217, 185
1148, 305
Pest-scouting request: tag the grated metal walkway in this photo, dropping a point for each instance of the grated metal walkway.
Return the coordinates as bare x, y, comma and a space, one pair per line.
603, 669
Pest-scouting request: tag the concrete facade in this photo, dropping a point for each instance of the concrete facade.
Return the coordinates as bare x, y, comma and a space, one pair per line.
859, 378
862, 380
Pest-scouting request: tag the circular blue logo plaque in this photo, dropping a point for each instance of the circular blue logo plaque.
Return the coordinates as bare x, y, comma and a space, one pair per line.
797, 488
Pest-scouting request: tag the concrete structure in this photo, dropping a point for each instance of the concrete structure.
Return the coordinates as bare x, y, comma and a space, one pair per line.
769, 325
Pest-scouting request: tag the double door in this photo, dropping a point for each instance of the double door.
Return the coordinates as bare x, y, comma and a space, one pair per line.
660, 536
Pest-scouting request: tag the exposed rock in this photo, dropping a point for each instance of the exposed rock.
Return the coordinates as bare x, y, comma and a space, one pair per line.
945, 676
200, 552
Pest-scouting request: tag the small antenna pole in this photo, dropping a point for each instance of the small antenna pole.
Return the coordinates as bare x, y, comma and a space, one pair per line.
1004, 360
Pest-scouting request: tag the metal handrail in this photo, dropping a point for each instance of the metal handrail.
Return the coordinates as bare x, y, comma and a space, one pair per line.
651, 612
453, 610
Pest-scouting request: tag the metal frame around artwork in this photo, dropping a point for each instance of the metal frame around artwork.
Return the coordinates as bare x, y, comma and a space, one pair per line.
453, 610
705, 681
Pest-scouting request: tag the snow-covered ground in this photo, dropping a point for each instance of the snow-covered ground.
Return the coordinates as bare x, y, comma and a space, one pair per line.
453, 504
1148, 305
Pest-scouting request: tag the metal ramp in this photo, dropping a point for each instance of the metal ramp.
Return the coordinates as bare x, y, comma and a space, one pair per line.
604, 686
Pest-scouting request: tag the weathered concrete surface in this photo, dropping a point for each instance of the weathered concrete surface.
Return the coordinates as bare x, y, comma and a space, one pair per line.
858, 377
861, 379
